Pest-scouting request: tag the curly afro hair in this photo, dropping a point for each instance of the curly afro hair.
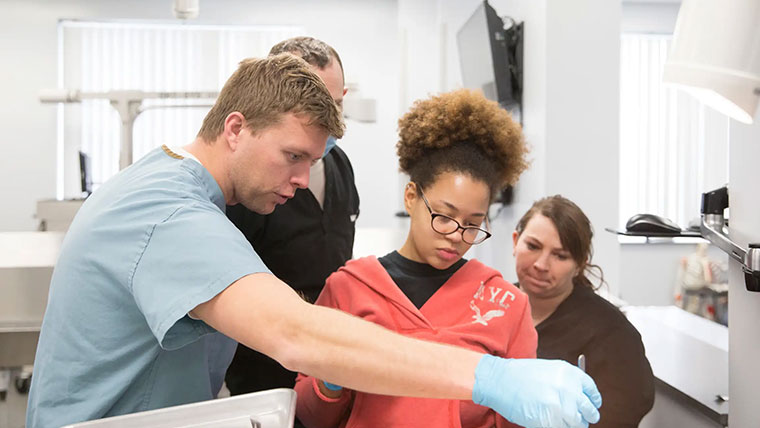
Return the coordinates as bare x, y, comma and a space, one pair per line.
461, 131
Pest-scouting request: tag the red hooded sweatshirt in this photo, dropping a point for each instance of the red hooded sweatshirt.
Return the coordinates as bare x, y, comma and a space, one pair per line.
474, 309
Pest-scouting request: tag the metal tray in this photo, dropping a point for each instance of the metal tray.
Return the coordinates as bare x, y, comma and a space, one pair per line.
266, 409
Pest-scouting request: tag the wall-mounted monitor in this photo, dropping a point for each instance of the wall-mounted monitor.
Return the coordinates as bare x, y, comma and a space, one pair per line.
490, 56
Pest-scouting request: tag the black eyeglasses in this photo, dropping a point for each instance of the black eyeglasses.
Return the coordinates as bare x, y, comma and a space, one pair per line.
446, 225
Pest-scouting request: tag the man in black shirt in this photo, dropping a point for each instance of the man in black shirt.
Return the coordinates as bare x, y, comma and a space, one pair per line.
312, 235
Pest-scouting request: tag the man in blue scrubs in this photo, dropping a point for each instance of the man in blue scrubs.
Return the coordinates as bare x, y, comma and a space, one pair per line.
151, 266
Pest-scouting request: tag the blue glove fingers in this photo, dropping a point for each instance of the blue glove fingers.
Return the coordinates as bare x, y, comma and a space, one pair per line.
590, 401
589, 388
570, 415
332, 387
588, 410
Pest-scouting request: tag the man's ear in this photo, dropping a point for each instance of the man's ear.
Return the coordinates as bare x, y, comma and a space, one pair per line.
515, 237
410, 196
233, 125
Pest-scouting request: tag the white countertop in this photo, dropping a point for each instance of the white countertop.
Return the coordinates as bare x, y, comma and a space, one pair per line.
29, 249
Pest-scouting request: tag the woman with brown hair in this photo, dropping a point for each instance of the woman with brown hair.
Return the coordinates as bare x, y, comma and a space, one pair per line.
552, 249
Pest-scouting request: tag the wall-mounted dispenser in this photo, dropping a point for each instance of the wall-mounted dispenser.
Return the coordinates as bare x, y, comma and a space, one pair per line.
714, 229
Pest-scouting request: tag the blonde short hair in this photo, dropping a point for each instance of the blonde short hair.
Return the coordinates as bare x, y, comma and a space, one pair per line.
263, 89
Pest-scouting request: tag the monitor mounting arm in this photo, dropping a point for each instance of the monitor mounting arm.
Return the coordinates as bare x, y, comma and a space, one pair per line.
714, 230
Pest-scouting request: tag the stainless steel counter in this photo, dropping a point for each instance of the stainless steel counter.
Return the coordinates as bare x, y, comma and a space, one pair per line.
26, 265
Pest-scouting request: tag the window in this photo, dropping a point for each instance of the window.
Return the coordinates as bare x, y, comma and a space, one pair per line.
672, 148
103, 56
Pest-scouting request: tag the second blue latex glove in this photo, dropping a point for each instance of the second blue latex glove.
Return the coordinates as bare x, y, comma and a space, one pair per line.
537, 393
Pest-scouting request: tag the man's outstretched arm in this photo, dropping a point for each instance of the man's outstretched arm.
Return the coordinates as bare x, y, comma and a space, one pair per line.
265, 314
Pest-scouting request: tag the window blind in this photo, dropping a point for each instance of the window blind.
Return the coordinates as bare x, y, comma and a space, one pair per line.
672, 148
103, 56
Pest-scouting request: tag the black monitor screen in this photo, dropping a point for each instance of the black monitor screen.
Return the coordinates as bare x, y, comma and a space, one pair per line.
485, 61
85, 173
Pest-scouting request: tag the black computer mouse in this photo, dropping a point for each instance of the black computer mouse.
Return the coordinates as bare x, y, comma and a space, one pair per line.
651, 223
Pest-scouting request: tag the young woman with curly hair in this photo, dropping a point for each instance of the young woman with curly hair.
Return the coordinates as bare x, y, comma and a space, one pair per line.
458, 149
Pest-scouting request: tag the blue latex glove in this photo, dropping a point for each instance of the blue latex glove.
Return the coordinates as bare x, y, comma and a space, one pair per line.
332, 387
537, 393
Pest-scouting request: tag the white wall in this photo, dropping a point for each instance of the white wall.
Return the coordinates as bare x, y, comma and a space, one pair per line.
364, 32
27, 160
744, 306
582, 108
650, 17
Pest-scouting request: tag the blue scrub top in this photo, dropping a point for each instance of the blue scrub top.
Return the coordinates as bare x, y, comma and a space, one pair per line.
146, 248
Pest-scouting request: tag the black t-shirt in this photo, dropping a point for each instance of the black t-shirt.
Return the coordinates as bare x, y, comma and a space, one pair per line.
418, 281
586, 323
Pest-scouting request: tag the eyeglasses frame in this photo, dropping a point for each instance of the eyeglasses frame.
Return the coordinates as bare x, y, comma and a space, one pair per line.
433, 216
